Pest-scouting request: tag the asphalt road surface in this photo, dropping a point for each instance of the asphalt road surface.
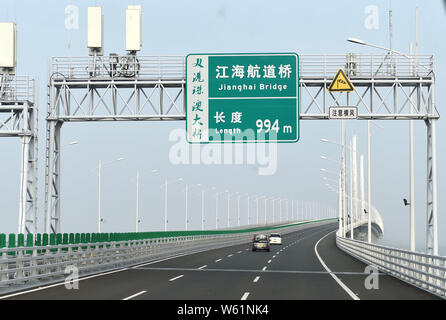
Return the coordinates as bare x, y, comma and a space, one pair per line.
298, 269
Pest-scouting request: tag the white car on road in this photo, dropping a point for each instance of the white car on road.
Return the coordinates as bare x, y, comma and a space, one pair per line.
275, 238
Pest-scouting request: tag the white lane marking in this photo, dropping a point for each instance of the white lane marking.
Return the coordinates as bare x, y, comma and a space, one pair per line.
256, 279
239, 252
203, 266
274, 256
217, 260
264, 268
135, 295
269, 261
173, 279
343, 286
230, 255
245, 296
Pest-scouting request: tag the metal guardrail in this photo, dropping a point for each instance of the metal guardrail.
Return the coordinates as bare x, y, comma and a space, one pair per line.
424, 271
24, 267
13, 87
173, 67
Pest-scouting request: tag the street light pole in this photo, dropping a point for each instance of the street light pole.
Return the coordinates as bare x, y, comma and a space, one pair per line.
202, 209
165, 205
99, 195
216, 210
238, 210
137, 201
228, 207
100, 190
186, 220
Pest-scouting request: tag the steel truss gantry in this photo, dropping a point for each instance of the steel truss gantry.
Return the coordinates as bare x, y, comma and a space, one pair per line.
18, 118
131, 88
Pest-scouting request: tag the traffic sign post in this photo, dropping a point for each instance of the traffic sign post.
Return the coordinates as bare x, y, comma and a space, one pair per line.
242, 97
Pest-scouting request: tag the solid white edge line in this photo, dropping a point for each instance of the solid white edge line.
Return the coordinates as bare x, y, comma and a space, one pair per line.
173, 279
343, 286
245, 296
135, 295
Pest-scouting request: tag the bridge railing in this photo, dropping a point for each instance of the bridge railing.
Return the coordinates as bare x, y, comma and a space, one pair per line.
17, 87
424, 271
173, 67
28, 265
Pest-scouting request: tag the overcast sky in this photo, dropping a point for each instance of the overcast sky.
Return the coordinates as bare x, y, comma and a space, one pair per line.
182, 27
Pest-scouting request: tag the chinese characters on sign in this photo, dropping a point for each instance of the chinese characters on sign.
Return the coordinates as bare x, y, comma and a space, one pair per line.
197, 93
242, 97
343, 113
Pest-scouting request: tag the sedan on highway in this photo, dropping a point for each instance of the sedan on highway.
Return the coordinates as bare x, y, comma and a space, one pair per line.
275, 238
260, 242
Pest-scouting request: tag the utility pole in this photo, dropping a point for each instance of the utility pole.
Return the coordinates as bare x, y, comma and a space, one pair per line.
186, 220
361, 177
137, 201
411, 167
165, 205
369, 183
99, 196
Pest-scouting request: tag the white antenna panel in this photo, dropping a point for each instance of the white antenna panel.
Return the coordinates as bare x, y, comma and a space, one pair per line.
95, 29
133, 28
8, 46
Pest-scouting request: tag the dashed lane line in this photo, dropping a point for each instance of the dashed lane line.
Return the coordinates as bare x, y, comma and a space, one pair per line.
135, 295
173, 279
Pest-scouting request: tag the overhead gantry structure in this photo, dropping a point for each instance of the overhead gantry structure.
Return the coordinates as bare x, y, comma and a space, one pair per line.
151, 88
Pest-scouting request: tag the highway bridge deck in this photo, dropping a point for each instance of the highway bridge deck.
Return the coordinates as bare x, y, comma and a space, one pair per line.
291, 271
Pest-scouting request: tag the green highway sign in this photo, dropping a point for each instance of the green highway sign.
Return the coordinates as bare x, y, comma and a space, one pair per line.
242, 97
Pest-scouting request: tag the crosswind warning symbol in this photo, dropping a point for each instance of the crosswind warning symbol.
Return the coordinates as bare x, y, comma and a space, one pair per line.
341, 83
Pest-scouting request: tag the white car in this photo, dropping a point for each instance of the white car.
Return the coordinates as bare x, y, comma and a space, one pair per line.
275, 238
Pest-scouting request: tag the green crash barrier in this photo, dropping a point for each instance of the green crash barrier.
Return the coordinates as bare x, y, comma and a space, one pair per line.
2, 241
53, 241
11, 244
29, 242
38, 242
65, 241
140, 237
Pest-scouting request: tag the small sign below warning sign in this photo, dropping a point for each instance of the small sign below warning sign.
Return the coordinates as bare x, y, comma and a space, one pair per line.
341, 83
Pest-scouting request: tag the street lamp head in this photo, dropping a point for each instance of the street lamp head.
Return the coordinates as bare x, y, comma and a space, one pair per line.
324, 140
119, 159
323, 170
357, 41
324, 157
155, 171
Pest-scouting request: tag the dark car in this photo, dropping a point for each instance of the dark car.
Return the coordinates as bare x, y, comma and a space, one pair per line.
260, 242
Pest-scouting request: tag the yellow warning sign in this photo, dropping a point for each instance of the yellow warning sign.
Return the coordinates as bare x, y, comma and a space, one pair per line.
341, 83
